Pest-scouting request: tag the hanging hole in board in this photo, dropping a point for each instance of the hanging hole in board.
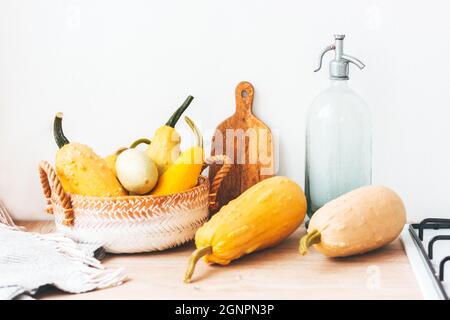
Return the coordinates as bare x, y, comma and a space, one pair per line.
244, 94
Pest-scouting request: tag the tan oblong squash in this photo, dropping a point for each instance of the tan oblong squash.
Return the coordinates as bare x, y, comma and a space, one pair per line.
259, 218
362, 220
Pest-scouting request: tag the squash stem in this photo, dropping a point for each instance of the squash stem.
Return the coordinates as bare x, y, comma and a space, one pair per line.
139, 141
177, 114
198, 135
58, 133
196, 255
119, 151
308, 240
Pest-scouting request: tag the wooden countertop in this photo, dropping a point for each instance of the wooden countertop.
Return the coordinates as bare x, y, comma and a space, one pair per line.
277, 273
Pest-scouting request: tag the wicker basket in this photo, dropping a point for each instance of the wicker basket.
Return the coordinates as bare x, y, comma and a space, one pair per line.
130, 224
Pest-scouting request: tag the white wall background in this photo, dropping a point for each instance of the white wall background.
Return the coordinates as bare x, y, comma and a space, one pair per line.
117, 69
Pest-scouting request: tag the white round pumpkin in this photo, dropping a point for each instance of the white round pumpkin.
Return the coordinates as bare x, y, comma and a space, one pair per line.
136, 171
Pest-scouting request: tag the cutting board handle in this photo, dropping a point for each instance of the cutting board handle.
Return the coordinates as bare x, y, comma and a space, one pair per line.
244, 98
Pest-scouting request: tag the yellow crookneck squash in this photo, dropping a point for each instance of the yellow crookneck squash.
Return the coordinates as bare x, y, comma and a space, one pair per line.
80, 170
165, 146
261, 217
184, 173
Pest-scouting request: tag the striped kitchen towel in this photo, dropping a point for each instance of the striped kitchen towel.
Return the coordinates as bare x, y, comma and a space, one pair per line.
29, 261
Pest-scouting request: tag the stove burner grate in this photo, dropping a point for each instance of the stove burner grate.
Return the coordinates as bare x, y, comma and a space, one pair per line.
435, 224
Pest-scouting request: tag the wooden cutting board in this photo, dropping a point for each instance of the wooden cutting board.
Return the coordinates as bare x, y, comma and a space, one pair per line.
247, 141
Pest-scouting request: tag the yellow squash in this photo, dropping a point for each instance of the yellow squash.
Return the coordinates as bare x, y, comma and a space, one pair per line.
364, 219
261, 217
184, 173
165, 146
112, 158
81, 170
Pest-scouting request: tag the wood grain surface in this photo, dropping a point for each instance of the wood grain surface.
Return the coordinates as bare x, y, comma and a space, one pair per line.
248, 143
277, 273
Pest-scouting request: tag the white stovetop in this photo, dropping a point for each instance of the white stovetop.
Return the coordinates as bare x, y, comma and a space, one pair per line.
421, 270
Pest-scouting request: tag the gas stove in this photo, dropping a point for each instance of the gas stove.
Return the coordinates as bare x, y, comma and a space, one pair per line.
428, 247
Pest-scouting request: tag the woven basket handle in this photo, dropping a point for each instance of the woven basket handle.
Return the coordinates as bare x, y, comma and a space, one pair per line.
54, 192
220, 175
